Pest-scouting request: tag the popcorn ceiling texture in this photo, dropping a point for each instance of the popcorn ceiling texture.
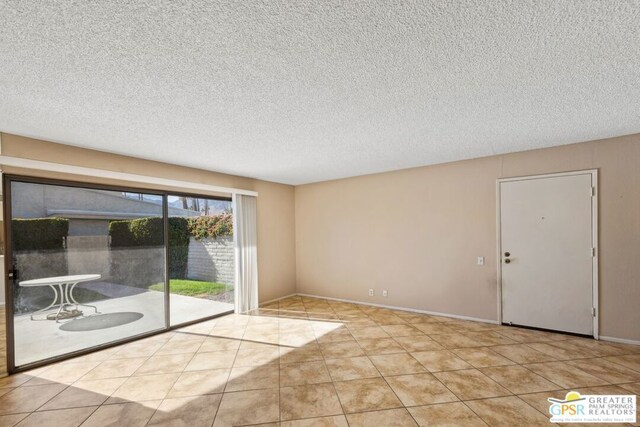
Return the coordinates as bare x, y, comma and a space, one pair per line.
304, 91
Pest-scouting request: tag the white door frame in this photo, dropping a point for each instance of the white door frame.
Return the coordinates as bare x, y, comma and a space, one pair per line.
594, 236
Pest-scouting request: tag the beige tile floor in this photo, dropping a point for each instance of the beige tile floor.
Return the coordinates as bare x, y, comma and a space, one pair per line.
313, 362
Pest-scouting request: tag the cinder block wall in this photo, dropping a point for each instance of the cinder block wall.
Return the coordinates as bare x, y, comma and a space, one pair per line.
212, 260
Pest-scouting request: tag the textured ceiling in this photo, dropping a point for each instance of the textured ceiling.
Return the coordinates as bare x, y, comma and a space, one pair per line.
304, 91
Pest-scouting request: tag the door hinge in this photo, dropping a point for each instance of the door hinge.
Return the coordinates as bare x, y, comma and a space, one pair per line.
593, 191
593, 311
593, 252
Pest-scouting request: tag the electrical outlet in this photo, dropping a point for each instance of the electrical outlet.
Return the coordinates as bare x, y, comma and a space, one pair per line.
480, 260
370, 292
384, 293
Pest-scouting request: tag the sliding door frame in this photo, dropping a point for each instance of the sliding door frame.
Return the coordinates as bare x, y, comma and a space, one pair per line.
7, 179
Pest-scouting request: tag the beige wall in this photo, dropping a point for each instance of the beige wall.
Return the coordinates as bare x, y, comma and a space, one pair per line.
417, 232
276, 243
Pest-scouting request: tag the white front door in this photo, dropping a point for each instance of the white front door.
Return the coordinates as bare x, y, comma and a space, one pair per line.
547, 236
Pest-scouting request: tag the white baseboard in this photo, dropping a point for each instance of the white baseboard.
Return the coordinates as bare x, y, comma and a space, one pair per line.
413, 310
433, 313
620, 340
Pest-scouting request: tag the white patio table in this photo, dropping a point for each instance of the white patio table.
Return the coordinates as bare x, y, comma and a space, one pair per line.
65, 285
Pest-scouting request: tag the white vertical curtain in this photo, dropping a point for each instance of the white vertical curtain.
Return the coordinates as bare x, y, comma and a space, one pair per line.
245, 237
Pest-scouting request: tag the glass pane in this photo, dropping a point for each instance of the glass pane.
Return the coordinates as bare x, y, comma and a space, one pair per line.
90, 268
3, 328
201, 258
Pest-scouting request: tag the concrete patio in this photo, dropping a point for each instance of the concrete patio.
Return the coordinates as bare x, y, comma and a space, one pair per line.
118, 318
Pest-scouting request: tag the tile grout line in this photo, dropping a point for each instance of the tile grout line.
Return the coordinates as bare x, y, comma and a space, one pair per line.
385, 380
324, 363
224, 390
451, 391
178, 378
476, 414
333, 384
457, 327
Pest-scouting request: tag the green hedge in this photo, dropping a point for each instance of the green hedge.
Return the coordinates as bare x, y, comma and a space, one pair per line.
149, 232
202, 227
39, 234
178, 247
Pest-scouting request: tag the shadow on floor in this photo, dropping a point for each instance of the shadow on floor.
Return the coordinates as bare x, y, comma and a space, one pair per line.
101, 321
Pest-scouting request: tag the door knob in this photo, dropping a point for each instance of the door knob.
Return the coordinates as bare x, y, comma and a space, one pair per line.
507, 261
507, 254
